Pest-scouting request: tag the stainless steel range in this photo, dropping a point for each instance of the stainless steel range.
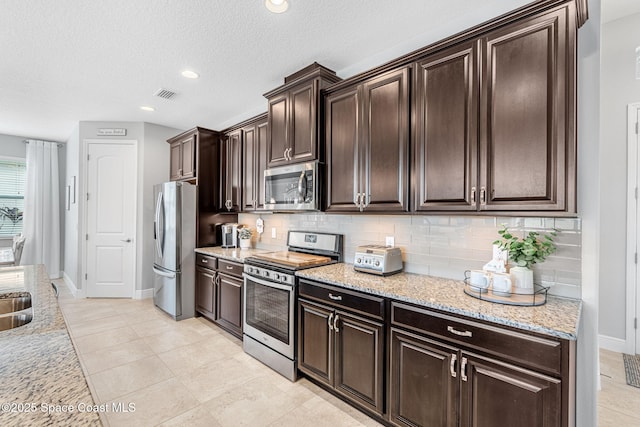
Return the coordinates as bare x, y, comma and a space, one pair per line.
270, 289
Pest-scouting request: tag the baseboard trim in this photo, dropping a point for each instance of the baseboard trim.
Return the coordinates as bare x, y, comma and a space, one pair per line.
143, 293
612, 344
77, 293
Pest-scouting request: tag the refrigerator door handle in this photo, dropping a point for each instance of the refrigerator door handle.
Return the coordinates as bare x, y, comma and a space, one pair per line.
158, 235
164, 273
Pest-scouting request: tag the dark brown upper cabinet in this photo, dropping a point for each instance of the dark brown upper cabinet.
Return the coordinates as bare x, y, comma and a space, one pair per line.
231, 172
527, 115
445, 155
185, 160
254, 164
495, 120
367, 134
294, 116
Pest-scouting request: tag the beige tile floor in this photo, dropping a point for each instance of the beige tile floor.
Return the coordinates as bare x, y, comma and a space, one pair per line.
618, 403
193, 373
186, 373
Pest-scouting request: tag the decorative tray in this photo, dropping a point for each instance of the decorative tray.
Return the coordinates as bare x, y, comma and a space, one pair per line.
539, 296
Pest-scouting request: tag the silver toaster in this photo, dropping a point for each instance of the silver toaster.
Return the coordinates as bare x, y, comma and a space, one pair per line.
378, 259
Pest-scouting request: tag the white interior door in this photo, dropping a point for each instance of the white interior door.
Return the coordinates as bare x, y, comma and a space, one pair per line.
111, 219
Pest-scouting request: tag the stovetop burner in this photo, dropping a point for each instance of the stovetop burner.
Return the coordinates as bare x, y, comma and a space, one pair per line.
306, 250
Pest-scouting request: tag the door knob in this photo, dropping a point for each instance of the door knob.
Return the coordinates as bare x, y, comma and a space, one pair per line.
126, 240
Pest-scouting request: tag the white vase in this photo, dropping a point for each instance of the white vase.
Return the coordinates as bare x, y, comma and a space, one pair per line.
245, 243
522, 280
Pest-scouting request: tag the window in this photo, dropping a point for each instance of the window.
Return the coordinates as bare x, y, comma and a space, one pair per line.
13, 173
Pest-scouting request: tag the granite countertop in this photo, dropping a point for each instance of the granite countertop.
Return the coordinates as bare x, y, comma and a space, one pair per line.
559, 317
231, 254
39, 367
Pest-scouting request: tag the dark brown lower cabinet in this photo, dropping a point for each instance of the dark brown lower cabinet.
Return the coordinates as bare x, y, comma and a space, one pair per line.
219, 292
229, 303
205, 280
344, 351
422, 391
500, 394
449, 371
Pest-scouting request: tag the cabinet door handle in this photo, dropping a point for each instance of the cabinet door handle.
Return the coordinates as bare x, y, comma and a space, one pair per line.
483, 196
335, 297
473, 196
329, 322
356, 199
179, 172
335, 323
452, 365
459, 333
463, 369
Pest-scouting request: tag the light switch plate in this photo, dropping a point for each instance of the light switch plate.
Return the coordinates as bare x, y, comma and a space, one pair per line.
260, 225
389, 241
273, 233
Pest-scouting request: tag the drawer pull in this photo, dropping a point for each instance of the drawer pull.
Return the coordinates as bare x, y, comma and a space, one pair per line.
459, 333
229, 267
335, 297
329, 319
452, 366
463, 369
204, 261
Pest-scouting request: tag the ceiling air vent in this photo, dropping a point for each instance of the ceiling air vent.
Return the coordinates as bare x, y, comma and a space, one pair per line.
164, 93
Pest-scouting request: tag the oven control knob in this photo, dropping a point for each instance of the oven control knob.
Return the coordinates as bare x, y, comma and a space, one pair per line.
359, 261
377, 263
276, 276
265, 274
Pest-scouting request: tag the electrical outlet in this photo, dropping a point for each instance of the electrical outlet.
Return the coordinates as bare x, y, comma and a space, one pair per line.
389, 241
273, 233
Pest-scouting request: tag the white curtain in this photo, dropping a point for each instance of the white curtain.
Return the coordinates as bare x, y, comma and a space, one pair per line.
41, 226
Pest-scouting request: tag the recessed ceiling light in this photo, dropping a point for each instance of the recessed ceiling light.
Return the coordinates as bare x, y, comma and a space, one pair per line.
277, 6
147, 108
190, 74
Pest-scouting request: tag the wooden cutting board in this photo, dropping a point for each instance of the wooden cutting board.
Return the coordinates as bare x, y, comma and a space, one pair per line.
294, 259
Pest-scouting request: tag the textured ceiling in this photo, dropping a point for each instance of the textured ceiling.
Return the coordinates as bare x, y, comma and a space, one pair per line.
73, 60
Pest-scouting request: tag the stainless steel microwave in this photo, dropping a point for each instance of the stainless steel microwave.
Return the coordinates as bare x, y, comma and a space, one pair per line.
292, 188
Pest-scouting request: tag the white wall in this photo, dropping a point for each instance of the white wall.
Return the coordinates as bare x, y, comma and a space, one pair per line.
153, 164
589, 174
153, 167
70, 237
619, 88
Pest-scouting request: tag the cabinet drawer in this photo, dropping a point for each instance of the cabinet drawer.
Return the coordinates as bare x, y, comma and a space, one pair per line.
230, 268
206, 261
340, 297
530, 350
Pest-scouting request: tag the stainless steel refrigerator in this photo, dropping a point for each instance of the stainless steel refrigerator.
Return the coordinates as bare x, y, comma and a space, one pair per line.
175, 238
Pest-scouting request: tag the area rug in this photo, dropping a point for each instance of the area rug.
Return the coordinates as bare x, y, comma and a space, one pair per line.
632, 369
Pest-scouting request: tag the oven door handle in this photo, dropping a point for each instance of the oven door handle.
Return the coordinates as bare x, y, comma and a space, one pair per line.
266, 283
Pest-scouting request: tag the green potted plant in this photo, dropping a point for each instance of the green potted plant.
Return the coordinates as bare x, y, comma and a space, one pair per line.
524, 252
244, 235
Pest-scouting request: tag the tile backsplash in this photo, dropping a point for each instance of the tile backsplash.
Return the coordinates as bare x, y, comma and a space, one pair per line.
443, 246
